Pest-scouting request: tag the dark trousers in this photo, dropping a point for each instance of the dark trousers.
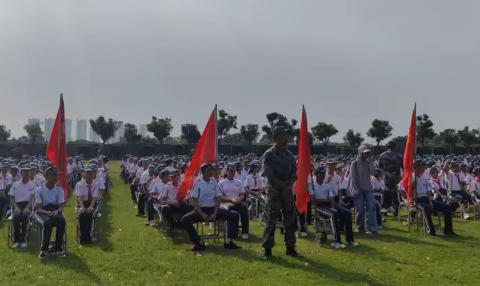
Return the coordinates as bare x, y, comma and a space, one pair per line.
133, 190
20, 223
48, 223
4, 204
335, 216
150, 209
169, 212
424, 206
302, 218
277, 202
242, 209
193, 217
142, 198
85, 221
390, 196
465, 198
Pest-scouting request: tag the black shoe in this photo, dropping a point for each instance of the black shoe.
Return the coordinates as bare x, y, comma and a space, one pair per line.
293, 253
140, 215
231, 245
268, 253
451, 233
42, 254
199, 247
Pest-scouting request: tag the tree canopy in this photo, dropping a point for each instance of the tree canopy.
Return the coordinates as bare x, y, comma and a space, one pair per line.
4, 133
352, 138
225, 123
249, 133
34, 132
380, 130
424, 129
160, 128
105, 129
323, 131
190, 133
130, 134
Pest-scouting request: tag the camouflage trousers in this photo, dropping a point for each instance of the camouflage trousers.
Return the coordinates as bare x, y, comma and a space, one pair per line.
277, 202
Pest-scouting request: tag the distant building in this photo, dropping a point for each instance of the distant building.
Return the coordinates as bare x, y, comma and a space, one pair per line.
33, 121
81, 129
142, 129
48, 127
93, 136
68, 130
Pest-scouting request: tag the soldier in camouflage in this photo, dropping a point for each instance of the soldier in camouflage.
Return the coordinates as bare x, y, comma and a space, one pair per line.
391, 162
281, 171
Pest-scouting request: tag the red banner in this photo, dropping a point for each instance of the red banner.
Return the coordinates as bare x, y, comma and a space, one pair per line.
408, 157
304, 165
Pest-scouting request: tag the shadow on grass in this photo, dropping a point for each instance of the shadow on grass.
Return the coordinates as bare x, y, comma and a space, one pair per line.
303, 264
72, 262
389, 238
364, 249
102, 238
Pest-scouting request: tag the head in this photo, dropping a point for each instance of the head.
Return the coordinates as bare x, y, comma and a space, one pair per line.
434, 172
33, 172
4, 169
231, 171
392, 146
331, 167
455, 167
363, 152
175, 177
51, 176
207, 171
476, 172
25, 175
281, 136
320, 174
420, 168
165, 176
89, 176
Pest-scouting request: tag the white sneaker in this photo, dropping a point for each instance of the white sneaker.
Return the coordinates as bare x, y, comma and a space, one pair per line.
297, 235
338, 245
391, 210
383, 210
99, 214
303, 234
16, 245
152, 223
466, 216
245, 236
24, 245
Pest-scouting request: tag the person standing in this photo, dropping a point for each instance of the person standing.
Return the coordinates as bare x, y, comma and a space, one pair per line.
361, 170
391, 163
280, 169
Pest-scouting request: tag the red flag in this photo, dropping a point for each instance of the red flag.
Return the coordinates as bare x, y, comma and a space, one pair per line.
410, 150
57, 147
205, 152
304, 166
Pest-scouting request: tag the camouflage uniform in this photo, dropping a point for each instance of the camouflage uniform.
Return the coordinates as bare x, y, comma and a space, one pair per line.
391, 163
282, 166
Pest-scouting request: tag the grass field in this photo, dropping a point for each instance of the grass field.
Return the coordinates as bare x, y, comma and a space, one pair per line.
129, 253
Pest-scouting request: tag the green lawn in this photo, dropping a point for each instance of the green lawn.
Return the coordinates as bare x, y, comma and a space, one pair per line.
129, 253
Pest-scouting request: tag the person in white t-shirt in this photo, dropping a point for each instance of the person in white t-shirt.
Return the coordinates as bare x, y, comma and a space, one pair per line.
334, 180
86, 192
21, 199
233, 195
5, 184
476, 185
171, 206
240, 175
456, 186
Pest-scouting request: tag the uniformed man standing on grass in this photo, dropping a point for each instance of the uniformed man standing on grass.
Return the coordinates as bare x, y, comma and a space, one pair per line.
281, 171
391, 163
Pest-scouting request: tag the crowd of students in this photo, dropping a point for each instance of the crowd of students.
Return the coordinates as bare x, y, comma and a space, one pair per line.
29, 193
233, 188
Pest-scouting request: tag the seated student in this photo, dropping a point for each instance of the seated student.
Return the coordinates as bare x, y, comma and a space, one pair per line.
206, 203
334, 180
86, 192
456, 185
437, 186
425, 203
170, 205
50, 202
378, 191
476, 185
143, 196
234, 196
21, 198
131, 179
323, 198
5, 185
156, 192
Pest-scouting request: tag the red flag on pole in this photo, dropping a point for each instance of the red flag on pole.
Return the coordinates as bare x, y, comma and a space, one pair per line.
57, 147
410, 150
304, 165
205, 152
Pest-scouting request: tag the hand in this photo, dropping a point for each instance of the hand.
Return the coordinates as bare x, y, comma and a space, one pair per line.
82, 209
212, 217
18, 210
54, 213
234, 202
204, 216
26, 210
90, 209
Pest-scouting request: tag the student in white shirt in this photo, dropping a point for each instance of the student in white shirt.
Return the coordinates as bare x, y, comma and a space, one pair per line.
5, 185
156, 192
377, 189
87, 194
437, 186
456, 187
240, 175
21, 198
476, 185
323, 199
426, 204
143, 176
234, 196
206, 203
171, 206
334, 180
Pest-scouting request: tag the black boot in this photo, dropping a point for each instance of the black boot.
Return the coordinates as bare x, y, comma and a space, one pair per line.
292, 252
268, 253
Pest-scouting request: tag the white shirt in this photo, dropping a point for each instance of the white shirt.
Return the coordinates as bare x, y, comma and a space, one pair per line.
144, 177
423, 186
5, 180
39, 180
155, 181
206, 192
454, 181
241, 177
321, 192
253, 182
231, 188
157, 189
81, 190
335, 182
22, 192
132, 168
170, 192
436, 184
139, 172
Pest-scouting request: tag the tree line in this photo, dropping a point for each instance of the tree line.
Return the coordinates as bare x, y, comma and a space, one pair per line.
321, 133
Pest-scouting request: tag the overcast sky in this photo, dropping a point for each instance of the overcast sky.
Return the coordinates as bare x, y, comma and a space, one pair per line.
348, 61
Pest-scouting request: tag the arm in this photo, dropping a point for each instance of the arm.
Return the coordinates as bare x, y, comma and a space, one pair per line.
197, 209
332, 202
92, 204
14, 204
353, 176
80, 202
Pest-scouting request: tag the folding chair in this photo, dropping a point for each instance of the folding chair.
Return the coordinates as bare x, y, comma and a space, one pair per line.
219, 231
321, 227
38, 231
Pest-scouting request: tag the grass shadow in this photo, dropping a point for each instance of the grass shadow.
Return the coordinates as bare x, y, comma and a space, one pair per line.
304, 264
389, 238
72, 262
102, 238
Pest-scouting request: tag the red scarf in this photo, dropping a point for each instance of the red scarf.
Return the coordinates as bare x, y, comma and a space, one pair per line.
477, 179
436, 181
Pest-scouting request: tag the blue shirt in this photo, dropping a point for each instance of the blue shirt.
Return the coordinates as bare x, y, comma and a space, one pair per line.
46, 196
206, 192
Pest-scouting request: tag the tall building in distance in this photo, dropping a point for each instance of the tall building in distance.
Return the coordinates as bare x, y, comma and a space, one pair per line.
142, 129
119, 133
68, 130
33, 121
81, 129
48, 127
93, 136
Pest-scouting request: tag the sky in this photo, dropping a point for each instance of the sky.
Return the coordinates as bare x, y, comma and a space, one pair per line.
349, 62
